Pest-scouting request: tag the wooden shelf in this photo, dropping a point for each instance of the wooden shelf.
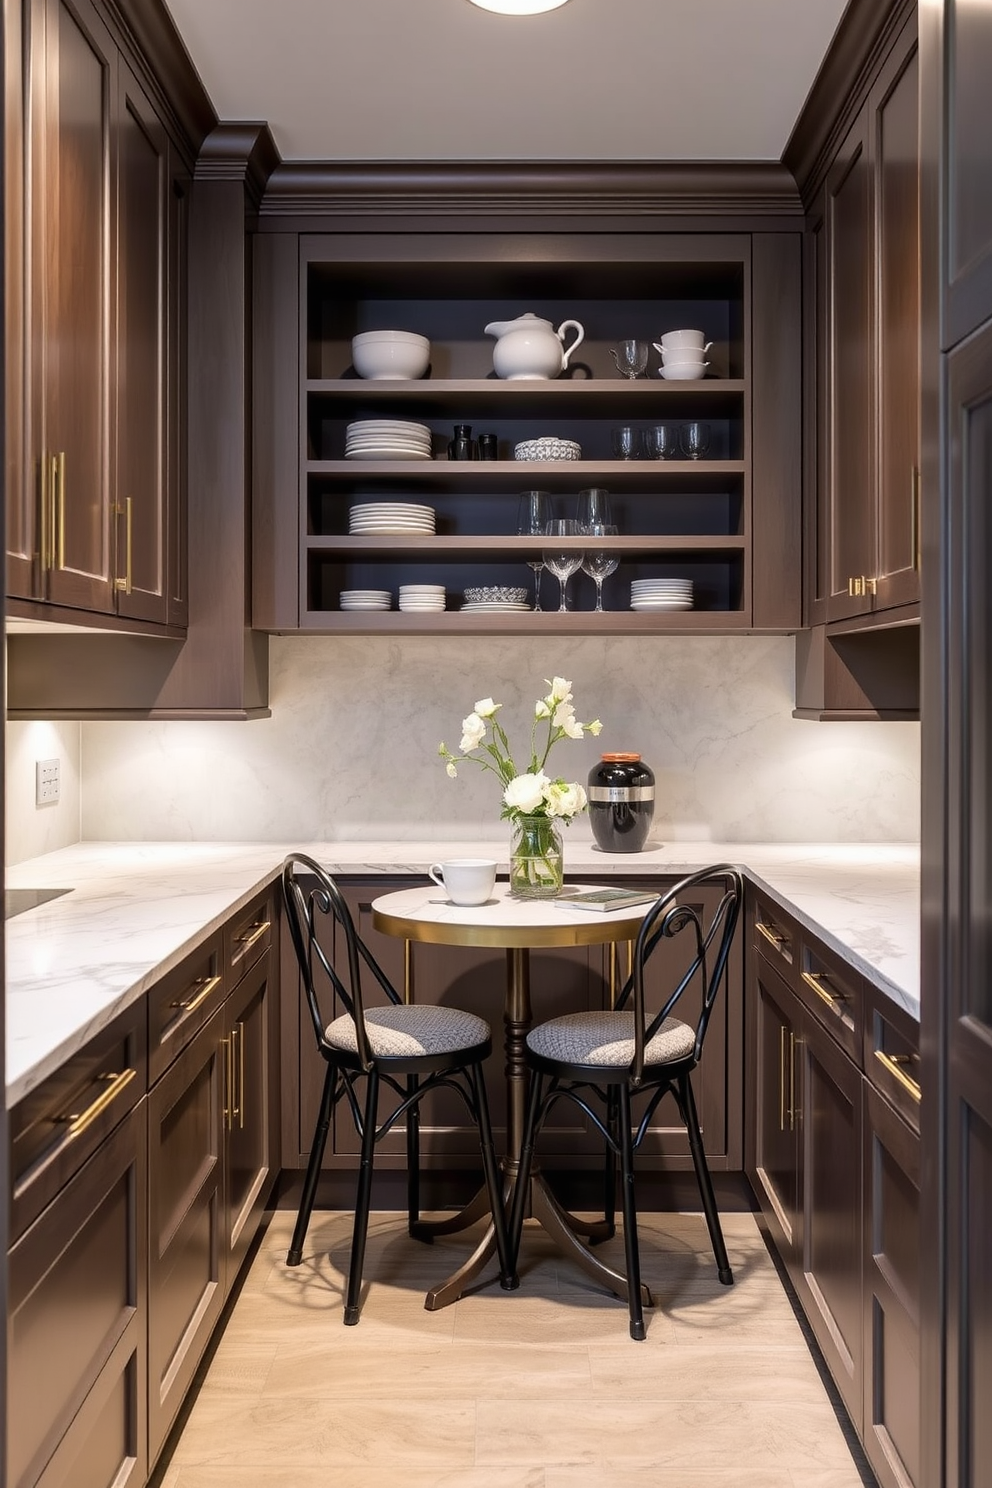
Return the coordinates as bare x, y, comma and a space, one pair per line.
635, 544
638, 397
532, 622
459, 475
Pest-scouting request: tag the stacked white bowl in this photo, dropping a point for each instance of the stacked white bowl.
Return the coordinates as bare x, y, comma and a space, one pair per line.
366, 599
381, 354
422, 597
683, 354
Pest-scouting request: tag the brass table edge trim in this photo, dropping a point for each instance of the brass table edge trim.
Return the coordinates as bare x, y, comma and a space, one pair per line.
507, 937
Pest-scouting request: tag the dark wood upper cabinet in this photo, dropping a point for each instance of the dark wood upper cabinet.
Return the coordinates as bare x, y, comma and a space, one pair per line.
93, 494
864, 511
966, 128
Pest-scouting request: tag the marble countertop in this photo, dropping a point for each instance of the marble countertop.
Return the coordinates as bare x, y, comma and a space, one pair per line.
137, 908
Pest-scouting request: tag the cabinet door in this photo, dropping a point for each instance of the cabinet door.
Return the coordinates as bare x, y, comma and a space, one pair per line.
178, 199
895, 119
967, 128
773, 1115
76, 1327
186, 1223
830, 1156
246, 1109
71, 163
892, 1294
21, 507
141, 507
850, 369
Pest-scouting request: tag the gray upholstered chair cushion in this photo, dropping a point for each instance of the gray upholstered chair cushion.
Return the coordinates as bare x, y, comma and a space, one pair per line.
405, 1032
607, 1039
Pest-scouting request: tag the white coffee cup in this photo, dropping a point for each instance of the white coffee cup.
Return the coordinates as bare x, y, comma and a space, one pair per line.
465, 880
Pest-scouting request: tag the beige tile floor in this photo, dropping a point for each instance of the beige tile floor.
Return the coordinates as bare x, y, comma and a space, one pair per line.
540, 1388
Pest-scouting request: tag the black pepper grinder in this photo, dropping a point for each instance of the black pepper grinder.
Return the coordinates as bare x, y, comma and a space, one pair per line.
462, 447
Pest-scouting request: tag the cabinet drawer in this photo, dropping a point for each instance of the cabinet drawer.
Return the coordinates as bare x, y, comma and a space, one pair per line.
180, 1004
834, 994
774, 936
60, 1124
247, 936
892, 1056
76, 1326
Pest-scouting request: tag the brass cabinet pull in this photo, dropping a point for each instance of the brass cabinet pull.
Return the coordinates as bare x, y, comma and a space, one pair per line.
254, 935
78, 1122
124, 584
204, 989
813, 979
859, 585
58, 505
772, 936
241, 1075
228, 1081
894, 1063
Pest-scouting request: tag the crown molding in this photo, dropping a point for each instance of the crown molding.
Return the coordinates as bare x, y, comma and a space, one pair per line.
156, 52
239, 152
525, 188
864, 36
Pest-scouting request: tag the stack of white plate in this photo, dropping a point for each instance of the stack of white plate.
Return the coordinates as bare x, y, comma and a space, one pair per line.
375, 518
366, 599
387, 439
423, 597
661, 594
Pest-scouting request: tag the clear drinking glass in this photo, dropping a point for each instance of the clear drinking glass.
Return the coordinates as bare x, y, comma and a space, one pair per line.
626, 443
561, 560
663, 441
631, 357
599, 563
533, 516
593, 507
695, 438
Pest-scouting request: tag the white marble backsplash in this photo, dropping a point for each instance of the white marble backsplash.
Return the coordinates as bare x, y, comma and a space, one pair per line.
350, 752
32, 830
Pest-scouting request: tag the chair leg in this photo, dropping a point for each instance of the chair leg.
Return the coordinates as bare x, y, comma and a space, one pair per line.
508, 1278
413, 1163
610, 1169
522, 1185
629, 1209
295, 1254
689, 1115
363, 1200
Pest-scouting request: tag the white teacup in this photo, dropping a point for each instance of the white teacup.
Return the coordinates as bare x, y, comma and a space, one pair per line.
465, 880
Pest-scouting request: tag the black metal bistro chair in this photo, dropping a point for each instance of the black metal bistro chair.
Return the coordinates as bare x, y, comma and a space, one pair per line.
409, 1049
600, 1060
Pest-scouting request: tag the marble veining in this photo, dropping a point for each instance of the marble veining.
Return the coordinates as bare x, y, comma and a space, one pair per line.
136, 909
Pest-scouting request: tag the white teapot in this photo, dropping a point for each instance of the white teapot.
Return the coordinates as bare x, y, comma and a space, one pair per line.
529, 347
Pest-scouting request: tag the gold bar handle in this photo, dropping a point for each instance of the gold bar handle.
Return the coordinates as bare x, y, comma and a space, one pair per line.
124, 585
254, 936
79, 1121
894, 1064
204, 989
228, 1081
58, 505
241, 1075
772, 936
915, 515
781, 1077
813, 979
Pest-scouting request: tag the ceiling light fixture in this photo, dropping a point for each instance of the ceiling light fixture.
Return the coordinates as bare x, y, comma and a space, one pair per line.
519, 7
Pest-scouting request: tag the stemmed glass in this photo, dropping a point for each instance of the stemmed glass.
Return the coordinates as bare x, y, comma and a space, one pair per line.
695, 439
533, 516
561, 560
631, 357
599, 563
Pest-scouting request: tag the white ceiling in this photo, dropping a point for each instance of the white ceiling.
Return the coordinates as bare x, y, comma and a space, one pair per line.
443, 80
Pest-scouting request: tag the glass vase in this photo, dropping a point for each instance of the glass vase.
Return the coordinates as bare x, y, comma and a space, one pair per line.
536, 860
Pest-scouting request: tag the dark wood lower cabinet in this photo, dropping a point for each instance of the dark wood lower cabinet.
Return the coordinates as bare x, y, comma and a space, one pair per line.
76, 1327
247, 1133
186, 1245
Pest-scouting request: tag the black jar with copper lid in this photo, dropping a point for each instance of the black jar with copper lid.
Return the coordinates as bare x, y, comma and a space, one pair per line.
621, 802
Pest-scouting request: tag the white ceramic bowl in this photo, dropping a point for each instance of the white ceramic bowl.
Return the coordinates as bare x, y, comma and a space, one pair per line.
694, 340
381, 354
680, 370
683, 354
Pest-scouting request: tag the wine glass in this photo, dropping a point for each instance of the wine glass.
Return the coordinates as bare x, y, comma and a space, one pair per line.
562, 561
593, 507
631, 357
663, 441
695, 437
599, 563
533, 516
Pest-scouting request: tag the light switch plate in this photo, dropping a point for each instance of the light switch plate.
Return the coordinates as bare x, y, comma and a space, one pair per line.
46, 782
